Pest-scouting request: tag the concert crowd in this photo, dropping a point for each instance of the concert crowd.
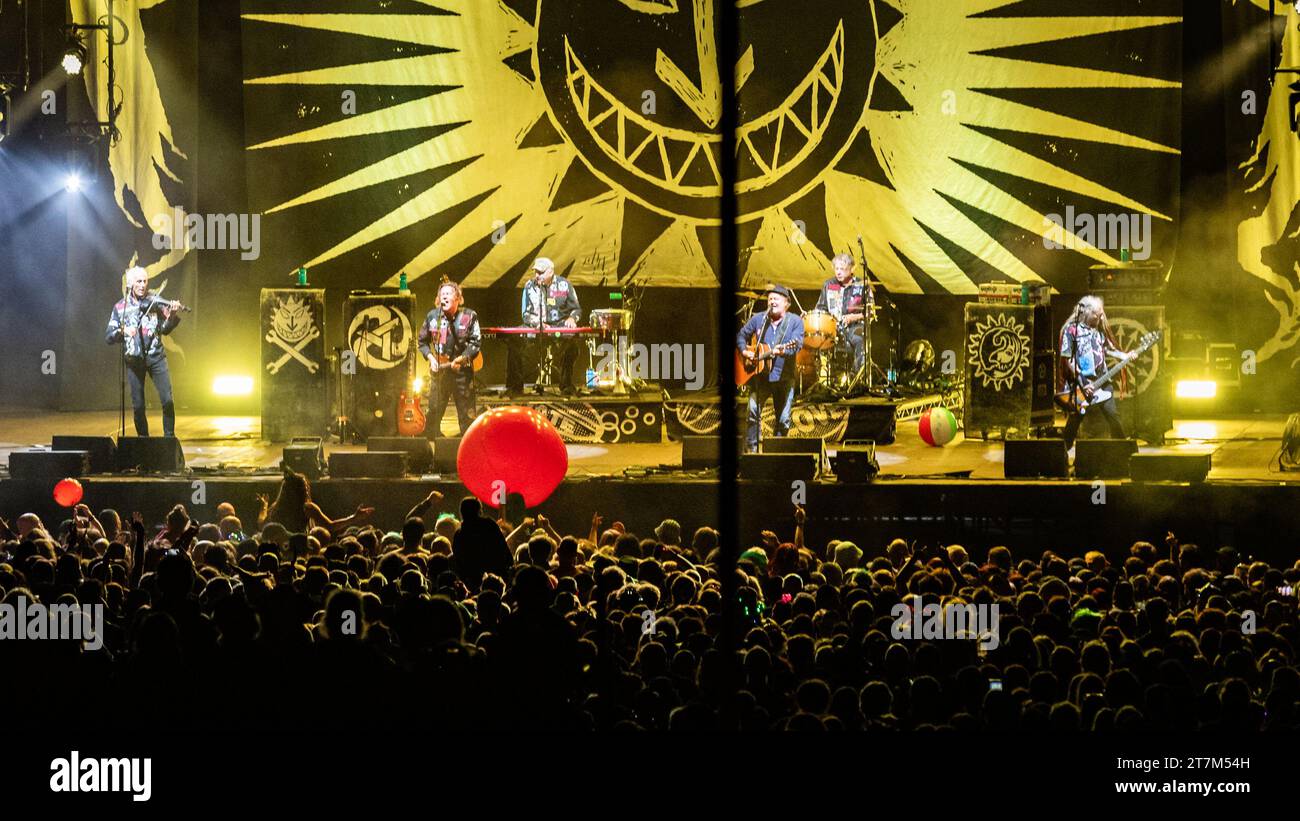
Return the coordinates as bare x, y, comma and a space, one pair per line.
284, 617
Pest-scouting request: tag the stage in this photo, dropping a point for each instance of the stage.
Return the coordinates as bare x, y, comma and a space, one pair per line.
952, 494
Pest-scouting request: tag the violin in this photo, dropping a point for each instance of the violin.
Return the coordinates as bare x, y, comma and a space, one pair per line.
155, 301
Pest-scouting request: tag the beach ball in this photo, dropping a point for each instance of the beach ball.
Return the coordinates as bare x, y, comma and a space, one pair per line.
938, 426
512, 450
67, 492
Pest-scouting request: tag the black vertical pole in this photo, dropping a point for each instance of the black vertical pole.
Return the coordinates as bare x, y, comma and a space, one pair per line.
728, 282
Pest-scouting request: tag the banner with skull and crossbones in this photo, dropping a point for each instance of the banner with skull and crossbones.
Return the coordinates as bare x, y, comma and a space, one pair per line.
293, 328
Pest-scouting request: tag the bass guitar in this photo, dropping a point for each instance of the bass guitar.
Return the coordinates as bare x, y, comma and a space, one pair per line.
1074, 400
747, 369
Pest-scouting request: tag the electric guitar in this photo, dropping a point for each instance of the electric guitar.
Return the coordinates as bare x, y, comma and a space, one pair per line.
410, 419
1074, 400
747, 369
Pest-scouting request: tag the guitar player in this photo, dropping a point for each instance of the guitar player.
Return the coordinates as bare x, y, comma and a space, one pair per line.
449, 342
1086, 341
776, 328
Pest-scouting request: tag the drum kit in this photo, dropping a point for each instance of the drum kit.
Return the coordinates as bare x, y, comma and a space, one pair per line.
827, 363
614, 376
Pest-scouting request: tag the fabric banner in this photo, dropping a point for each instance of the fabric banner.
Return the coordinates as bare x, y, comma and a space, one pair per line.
965, 140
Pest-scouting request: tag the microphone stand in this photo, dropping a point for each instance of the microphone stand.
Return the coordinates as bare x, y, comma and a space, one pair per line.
895, 322
121, 367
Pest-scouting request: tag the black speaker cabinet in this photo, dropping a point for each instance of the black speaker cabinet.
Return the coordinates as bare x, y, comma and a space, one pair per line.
381, 355
814, 445
700, 452
102, 450
1169, 467
1146, 402
445, 449
419, 451
294, 366
1001, 370
855, 461
150, 454
386, 464
1103, 458
305, 455
1035, 458
48, 464
778, 467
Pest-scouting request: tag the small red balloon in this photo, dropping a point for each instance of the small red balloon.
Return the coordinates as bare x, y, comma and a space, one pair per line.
512, 450
67, 492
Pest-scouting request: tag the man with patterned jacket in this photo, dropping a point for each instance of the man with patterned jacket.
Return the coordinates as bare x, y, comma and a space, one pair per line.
450, 342
849, 300
549, 301
139, 323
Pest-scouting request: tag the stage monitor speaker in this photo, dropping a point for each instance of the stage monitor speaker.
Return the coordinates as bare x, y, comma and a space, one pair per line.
39, 463
419, 451
855, 461
815, 445
1103, 458
383, 464
305, 455
102, 450
1035, 458
1169, 467
445, 449
699, 452
778, 467
150, 454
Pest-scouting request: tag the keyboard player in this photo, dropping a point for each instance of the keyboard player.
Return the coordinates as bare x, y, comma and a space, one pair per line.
549, 301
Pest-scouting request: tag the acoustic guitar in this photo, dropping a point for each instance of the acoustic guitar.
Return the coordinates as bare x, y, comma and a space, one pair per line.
747, 369
447, 362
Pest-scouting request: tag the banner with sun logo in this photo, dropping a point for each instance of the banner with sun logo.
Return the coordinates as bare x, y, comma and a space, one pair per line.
466, 137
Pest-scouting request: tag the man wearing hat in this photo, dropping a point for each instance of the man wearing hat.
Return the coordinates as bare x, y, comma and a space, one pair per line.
783, 333
548, 301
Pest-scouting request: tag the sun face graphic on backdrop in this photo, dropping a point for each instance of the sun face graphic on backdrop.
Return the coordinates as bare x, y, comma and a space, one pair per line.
645, 119
587, 130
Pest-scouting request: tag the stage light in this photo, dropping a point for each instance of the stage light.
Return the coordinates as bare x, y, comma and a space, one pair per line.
72, 182
1196, 389
74, 56
232, 385
418, 385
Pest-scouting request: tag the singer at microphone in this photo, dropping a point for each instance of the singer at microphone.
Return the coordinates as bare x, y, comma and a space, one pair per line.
549, 301
139, 329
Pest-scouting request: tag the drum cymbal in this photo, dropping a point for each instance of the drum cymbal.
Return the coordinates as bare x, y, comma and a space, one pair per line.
751, 294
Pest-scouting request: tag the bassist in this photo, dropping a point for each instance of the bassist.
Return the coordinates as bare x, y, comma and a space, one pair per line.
1086, 341
778, 329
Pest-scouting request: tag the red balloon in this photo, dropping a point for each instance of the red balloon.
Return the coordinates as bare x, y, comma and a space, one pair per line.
67, 492
512, 450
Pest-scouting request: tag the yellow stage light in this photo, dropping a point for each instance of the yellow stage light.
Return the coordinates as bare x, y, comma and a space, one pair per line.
232, 385
418, 385
1196, 389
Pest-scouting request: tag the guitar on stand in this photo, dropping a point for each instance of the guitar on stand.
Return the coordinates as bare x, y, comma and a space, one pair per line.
747, 369
410, 418
1075, 400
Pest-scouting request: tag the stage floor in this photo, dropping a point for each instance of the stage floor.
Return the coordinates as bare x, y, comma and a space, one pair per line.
1242, 448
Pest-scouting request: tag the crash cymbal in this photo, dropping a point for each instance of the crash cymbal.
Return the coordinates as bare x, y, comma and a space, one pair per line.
752, 294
